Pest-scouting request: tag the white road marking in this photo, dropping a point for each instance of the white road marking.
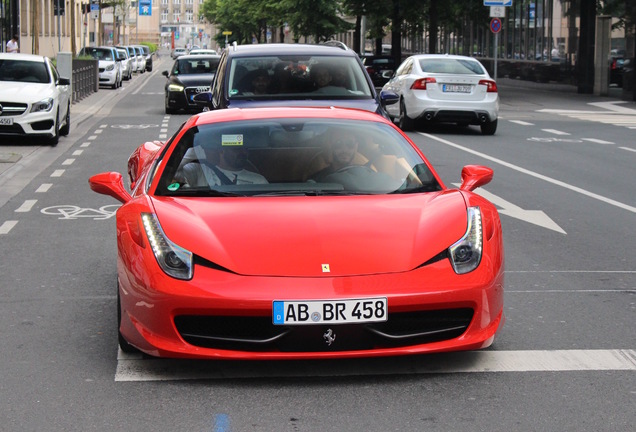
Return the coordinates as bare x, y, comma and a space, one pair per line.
26, 206
7, 226
628, 149
612, 106
521, 122
92, 138
98, 131
556, 132
68, 162
534, 174
44, 187
597, 141
135, 368
58, 173
86, 144
78, 152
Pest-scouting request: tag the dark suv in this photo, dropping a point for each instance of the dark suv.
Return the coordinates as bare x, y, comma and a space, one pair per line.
293, 75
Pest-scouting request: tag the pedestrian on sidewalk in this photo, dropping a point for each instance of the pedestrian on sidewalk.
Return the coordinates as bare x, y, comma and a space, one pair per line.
12, 45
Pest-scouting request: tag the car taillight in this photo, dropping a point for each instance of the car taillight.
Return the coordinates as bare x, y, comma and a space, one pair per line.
491, 86
420, 84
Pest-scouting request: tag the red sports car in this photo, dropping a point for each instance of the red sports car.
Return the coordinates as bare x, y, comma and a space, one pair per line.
301, 233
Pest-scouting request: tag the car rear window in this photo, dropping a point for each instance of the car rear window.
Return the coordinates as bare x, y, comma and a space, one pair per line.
293, 77
451, 66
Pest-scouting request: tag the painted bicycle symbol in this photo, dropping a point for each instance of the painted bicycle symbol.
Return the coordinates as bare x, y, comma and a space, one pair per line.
127, 126
71, 212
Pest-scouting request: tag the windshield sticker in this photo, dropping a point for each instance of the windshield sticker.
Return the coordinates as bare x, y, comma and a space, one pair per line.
232, 140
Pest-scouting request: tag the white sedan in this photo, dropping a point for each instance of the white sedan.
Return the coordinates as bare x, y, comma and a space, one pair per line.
441, 88
34, 100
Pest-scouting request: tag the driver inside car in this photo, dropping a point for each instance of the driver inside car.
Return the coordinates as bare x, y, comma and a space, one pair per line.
345, 167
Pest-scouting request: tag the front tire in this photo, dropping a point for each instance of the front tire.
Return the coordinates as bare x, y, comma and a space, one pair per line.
66, 129
489, 128
123, 343
56, 133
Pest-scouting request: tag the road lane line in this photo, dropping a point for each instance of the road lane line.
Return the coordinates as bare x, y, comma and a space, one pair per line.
58, 173
534, 174
44, 187
26, 206
136, 368
521, 122
7, 226
68, 161
554, 131
628, 149
78, 152
597, 141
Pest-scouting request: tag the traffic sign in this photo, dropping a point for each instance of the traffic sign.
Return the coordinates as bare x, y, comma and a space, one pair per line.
495, 25
497, 2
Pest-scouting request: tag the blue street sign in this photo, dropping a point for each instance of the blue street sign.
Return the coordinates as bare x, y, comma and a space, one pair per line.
497, 2
145, 7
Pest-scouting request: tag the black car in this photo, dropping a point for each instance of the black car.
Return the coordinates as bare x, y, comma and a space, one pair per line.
379, 68
293, 75
189, 76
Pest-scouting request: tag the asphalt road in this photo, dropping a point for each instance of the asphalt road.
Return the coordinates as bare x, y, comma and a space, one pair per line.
564, 361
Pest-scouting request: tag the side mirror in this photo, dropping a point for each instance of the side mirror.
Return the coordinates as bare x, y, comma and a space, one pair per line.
387, 74
111, 184
63, 81
165, 73
474, 176
388, 97
203, 99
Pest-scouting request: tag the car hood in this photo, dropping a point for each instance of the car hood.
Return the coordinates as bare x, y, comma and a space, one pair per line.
296, 236
363, 104
191, 80
12, 91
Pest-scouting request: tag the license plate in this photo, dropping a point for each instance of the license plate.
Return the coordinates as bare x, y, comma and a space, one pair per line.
6, 121
349, 311
456, 88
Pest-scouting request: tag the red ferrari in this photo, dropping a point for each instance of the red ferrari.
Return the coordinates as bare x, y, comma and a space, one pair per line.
301, 233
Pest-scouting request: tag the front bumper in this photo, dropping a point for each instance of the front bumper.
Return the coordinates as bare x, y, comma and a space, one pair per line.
31, 124
223, 315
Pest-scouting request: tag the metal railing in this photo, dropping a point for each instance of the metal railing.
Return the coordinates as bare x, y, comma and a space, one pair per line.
85, 78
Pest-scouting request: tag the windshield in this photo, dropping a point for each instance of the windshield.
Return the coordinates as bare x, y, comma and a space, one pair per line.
98, 53
452, 66
294, 157
24, 71
291, 77
195, 66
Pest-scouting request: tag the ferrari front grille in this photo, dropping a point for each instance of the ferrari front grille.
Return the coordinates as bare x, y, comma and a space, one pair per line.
258, 334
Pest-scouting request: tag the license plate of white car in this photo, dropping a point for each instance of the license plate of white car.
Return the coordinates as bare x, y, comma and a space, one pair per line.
6, 121
345, 311
456, 88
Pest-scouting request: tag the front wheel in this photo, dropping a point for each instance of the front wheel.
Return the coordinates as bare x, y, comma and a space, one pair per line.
489, 128
64, 130
123, 343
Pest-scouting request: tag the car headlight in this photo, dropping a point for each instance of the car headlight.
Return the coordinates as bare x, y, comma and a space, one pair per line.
173, 259
465, 254
110, 67
175, 88
43, 105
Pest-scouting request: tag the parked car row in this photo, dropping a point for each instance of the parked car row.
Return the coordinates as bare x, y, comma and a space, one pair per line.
118, 63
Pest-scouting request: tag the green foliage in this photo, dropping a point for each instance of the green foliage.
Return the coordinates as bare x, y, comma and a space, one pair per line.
151, 46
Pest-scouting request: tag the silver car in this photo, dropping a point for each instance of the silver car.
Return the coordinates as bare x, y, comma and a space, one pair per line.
438, 88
